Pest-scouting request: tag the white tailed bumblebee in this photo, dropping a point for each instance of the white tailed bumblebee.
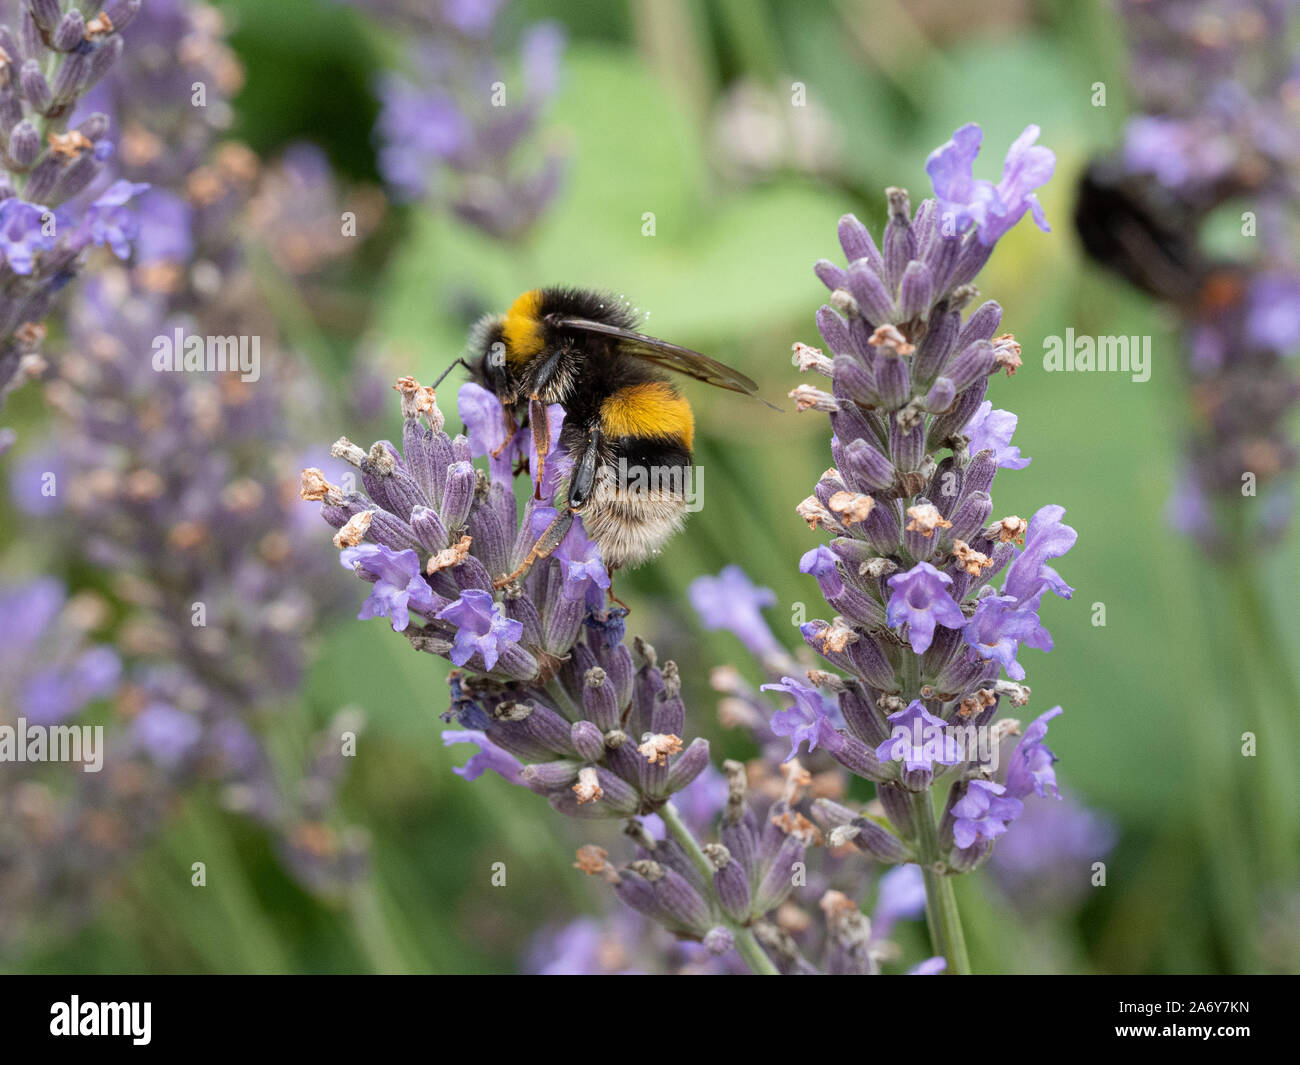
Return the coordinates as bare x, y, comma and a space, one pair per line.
1132, 227
579, 349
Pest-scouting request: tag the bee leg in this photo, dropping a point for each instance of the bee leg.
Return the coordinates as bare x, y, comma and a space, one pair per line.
511, 429
550, 539
610, 591
583, 480
541, 427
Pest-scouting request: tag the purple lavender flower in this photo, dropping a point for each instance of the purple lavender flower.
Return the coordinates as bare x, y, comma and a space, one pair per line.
175, 489
419, 131
1046, 864
481, 627
731, 601
909, 515
1177, 153
918, 739
480, 413
55, 694
551, 694
398, 588
489, 756
442, 138
109, 221
1273, 315
920, 598
900, 896
53, 157
1030, 768
164, 228
994, 209
585, 576
168, 734
992, 430
25, 231
807, 721
44, 660
822, 563
1001, 623
1047, 537
983, 813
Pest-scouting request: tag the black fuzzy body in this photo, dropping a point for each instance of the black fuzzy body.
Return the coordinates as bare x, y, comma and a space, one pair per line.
580, 371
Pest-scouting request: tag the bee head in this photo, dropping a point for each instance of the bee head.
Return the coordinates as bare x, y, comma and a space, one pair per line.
487, 356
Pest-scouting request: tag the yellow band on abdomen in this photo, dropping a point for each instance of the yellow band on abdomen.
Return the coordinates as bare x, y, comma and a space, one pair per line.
651, 409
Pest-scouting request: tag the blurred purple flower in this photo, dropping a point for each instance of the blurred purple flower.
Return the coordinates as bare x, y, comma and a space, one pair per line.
733, 602
168, 734
164, 228
110, 221
900, 896
23, 233
1273, 315
57, 693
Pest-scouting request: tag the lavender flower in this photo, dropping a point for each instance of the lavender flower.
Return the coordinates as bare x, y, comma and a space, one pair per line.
920, 600
920, 631
397, 582
807, 721
482, 627
451, 125
180, 486
983, 813
489, 756
550, 693
1046, 865
993, 209
731, 601
297, 208
49, 211
551, 678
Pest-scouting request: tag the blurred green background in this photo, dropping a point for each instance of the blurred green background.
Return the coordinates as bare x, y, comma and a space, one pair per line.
1145, 738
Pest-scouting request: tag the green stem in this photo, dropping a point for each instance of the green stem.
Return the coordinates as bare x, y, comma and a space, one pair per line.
374, 932
746, 945
941, 914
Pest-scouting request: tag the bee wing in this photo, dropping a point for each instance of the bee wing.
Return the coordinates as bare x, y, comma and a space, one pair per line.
669, 356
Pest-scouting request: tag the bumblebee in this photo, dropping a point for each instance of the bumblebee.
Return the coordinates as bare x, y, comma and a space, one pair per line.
628, 430
1130, 226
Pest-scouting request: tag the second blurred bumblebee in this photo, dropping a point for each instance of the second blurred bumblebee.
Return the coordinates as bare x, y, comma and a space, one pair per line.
578, 348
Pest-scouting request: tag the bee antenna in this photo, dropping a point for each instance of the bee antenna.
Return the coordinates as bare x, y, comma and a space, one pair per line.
455, 362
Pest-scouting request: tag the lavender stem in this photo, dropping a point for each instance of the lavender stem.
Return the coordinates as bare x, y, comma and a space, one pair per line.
746, 945
941, 914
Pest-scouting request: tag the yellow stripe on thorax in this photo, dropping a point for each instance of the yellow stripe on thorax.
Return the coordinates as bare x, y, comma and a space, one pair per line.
522, 330
650, 409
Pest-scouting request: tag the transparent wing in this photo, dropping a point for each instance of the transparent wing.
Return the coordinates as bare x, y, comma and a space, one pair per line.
669, 356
